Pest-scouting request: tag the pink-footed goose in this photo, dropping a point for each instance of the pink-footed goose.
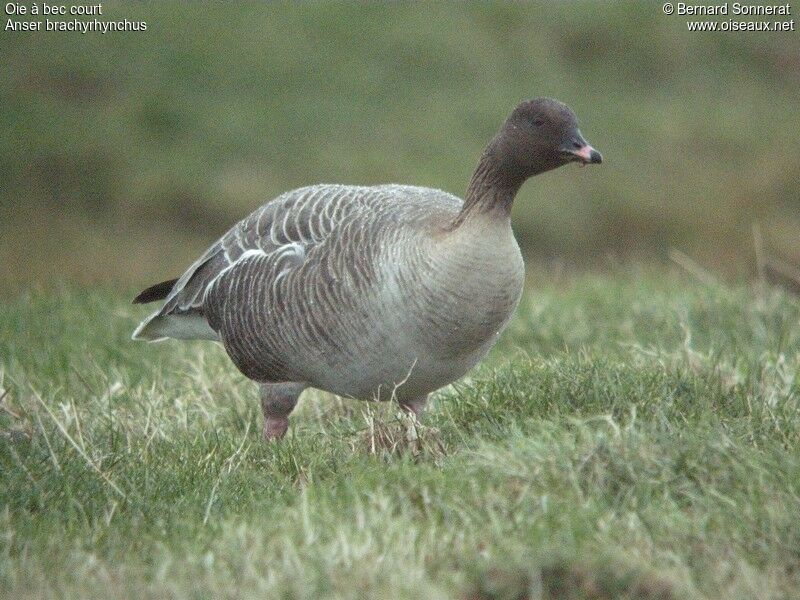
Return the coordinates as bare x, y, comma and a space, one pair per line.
369, 292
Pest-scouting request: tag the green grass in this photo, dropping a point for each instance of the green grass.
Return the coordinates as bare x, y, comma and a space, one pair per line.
634, 435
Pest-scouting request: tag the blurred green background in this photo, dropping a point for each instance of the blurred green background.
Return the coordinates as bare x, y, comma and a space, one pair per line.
122, 156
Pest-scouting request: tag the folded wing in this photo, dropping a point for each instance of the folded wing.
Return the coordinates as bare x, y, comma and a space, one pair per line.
266, 245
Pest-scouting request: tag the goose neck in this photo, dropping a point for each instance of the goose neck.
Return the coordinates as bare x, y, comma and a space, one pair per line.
490, 193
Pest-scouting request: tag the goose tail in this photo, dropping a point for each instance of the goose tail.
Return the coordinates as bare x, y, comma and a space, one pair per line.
185, 326
155, 292
150, 330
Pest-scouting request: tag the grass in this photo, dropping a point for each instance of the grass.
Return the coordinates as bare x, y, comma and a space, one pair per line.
633, 436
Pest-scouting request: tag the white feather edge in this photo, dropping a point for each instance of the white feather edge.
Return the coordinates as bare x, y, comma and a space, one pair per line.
186, 326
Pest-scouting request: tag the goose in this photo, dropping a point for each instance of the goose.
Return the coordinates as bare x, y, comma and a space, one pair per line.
369, 292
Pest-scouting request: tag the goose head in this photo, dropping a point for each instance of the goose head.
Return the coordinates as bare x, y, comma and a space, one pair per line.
540, 135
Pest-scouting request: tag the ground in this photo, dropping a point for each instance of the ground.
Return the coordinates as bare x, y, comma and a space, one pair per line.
635, 434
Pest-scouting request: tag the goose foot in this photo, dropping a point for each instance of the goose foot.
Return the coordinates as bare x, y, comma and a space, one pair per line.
277, 402
414, 405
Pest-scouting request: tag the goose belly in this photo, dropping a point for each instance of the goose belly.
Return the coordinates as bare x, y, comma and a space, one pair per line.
396, 364
425, 329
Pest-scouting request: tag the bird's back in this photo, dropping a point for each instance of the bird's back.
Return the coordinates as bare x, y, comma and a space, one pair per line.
351, 289
310, 281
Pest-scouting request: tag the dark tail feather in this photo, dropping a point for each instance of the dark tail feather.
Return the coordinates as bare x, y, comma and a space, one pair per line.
155, 292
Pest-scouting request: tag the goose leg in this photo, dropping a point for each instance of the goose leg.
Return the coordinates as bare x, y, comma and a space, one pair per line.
277, 401
414, 405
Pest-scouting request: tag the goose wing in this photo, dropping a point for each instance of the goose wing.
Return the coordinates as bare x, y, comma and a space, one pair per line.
277, 237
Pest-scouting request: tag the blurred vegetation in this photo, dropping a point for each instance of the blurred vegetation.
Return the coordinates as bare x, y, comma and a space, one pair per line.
123, 155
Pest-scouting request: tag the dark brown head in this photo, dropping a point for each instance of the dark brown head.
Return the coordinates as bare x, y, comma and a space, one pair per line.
539, 135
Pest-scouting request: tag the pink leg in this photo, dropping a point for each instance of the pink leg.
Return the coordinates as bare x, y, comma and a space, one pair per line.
275, 427
277, 401
414, 405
